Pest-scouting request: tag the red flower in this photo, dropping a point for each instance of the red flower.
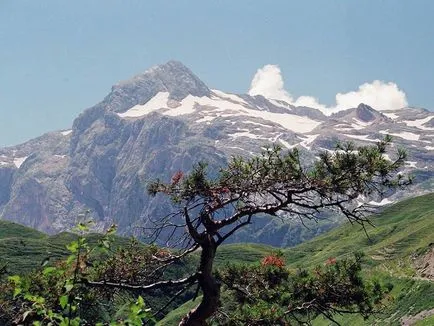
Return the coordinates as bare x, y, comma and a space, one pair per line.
273, 260
177, 177
225, 190
330, 261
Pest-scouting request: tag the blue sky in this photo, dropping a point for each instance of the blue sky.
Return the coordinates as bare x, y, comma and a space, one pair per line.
59, 57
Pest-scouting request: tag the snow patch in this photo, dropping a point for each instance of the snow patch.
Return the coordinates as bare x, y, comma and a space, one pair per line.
187, 107
361, 137
242, 149
190, 105
419, 123
257, 124
281, 104
18, 161
341, 125
344, 129
392, 116
358, 124
245, 134
308, 140
157, 102
411, 164
405, 134
229, 96
66, 132
206, 118
288, 121
286, 144
385, 201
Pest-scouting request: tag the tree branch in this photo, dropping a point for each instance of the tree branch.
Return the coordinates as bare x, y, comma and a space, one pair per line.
239, 226
188, 280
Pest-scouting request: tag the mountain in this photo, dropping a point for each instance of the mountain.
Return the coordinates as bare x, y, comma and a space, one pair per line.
165, 120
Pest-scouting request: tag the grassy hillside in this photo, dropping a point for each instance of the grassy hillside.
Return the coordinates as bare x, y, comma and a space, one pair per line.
401, 232
23, 249
11, 230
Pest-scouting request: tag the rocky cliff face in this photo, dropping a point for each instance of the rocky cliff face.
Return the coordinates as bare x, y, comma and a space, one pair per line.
165, 120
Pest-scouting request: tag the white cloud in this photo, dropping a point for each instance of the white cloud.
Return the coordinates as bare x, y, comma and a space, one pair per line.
378, 94
268, 82
309, 101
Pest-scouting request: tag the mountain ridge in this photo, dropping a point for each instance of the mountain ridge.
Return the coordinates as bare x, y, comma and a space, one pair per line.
165, 120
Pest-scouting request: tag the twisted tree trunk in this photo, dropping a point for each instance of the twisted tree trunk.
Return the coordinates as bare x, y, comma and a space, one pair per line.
209, 286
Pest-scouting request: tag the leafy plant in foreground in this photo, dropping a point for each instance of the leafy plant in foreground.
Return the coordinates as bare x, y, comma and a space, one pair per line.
56, 295
271, 294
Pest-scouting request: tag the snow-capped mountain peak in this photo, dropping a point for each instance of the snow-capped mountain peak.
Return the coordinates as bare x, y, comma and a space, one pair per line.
165, 120
222, 105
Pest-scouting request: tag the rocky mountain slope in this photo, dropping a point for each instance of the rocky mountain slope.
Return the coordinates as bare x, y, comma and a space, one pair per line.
165, 120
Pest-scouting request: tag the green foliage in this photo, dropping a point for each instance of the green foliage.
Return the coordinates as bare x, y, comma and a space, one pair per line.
22, 249
275, 182
348, 171
271, 294
174, 316
56, 295
136, 315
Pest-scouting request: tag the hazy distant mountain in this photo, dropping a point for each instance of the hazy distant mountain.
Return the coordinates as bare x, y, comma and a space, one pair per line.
166, 119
